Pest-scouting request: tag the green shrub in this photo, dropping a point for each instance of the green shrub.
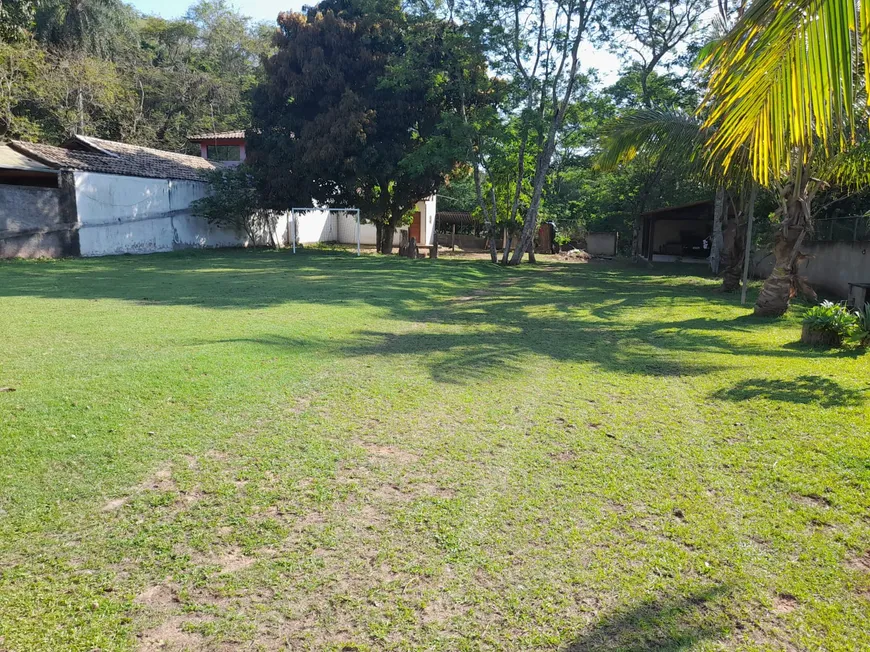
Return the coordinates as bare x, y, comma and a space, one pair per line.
234, 202
862, 331
828, 324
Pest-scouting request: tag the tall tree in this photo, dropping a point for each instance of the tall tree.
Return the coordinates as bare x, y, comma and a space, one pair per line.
536, 44
16, 19
98, 27
653, 31
351, 111
652, 36
785, 84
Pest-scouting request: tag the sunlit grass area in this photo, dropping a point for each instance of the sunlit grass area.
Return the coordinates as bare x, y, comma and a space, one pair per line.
255, 450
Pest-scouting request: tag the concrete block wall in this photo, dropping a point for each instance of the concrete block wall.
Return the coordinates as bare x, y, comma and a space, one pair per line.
38, 222
829, 268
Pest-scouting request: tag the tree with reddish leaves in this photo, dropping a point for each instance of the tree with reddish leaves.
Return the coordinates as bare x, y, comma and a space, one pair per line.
355, 110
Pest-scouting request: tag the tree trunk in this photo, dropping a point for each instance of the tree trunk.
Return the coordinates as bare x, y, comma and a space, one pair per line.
386, 240
635, 240
734, 250
747, 250
719, 209
783, 282
734, 271
379, 235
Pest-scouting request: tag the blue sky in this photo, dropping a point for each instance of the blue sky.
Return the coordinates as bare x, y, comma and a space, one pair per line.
257, 9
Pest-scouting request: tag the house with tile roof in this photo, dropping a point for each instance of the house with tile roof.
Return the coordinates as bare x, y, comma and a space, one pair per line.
94, 197
222, 148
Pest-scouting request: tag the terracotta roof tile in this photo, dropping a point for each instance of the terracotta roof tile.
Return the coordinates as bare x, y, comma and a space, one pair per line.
220, 135
110, 157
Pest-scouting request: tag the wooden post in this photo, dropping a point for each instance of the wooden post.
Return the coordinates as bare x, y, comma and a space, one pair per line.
453, 238
747, 250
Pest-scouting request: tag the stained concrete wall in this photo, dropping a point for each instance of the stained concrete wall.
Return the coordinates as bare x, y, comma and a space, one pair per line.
38, 222
130, 215
601, 244
464, 241
829, 268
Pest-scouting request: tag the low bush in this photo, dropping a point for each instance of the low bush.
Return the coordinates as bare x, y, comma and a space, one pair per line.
828, 324
862, 331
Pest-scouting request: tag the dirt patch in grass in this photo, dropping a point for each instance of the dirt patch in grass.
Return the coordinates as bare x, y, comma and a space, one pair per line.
812, 500
116, 503
230, 561
161, 481
172, 635
785, 603
392, 453
564, 456
392, 493
159, 596
861, 563
300, 404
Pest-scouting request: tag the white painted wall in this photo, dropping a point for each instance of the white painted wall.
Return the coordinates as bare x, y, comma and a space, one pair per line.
129, 215
135, 215
325, 226
427, 209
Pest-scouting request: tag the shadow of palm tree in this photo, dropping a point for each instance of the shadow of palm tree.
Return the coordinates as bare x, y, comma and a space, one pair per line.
664, 624
808, 390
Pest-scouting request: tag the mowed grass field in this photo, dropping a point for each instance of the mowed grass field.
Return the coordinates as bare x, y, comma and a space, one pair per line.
244, 450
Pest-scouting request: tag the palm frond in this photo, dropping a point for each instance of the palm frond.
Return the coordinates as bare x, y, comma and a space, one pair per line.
786, 78
657, 134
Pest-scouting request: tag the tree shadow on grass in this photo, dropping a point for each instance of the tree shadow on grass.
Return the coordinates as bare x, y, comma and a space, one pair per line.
480, 318
807, 390
673, 624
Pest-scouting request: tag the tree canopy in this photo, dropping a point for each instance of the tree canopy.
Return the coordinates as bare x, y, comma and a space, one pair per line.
99, 68
355, 109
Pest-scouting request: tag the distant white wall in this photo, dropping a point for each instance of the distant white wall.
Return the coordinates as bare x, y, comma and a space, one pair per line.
326, 226
129, 215
601, 244
135, 215
427, 209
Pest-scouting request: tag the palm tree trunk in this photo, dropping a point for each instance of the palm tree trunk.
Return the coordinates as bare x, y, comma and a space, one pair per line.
783, 282
736, 245
719, 209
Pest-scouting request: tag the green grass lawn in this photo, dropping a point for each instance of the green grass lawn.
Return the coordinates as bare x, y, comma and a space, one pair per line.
243, 450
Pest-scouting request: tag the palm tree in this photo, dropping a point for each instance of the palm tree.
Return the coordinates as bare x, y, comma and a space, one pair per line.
677, 139
784, 91
95, 27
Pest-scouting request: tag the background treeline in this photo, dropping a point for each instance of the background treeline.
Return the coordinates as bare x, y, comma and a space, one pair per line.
100, 68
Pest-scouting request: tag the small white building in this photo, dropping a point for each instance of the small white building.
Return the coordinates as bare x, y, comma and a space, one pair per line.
94, 197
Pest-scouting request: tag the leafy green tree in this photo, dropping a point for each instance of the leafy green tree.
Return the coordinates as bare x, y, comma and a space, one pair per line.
23, 68
235, 203
16, 19
352, 108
